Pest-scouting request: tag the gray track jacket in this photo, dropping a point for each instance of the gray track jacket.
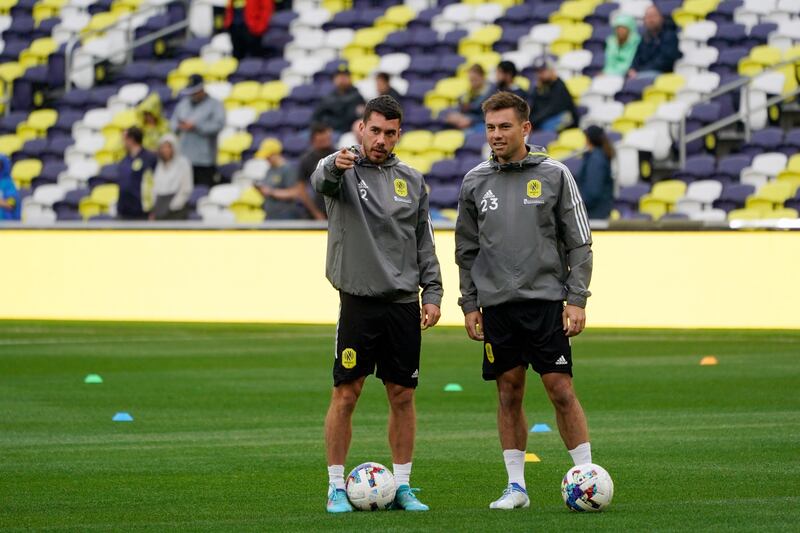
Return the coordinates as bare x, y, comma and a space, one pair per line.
522, 234
380, 237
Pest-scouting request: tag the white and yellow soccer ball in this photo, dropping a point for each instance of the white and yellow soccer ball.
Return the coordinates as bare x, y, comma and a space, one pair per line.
371, 487
587, 488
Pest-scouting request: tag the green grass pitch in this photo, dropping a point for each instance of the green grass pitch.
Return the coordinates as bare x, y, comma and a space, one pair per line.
228, 431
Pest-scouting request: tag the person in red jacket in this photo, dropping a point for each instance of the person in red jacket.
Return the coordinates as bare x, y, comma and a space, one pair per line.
246, 21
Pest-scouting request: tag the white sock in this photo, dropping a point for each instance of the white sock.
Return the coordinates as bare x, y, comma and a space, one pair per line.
402, 474
582, 454
336, 476
515, 466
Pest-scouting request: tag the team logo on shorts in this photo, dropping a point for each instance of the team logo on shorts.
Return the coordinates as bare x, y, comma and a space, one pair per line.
348, 358
489, 353
401, 187
534, 189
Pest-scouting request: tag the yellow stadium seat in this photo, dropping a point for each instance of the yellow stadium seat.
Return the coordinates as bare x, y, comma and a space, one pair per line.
448, 141
248, 215
446, 93
746, 214
635, 114
248, 207
415, 142
396, 17
11, 71
270, 96
782, 212
364, 42
123, 7
419, 162
334, 6
362, 66
692, 11
231, 148
573, 138
662, 198
193, 65
759, 58
558, 152
771, 195
38, 52
792, 170
99, 201
177, 82
665, 87
243, 93
488, 60
480, 40
6, 5
46, 9
101, 21
221, 69
577, 85
38, 123
571, 38
24, 171
10, 144
121, 121
572, 11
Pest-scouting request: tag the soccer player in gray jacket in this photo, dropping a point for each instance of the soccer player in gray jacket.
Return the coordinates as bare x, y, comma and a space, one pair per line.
523, 248
380, 252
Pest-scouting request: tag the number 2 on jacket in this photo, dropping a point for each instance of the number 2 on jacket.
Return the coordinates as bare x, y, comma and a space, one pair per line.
490, 203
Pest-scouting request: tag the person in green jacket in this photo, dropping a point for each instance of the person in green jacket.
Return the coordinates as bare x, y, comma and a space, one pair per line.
621, 46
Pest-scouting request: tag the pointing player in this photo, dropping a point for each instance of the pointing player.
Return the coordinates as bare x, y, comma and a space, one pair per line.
380, 252
523, 248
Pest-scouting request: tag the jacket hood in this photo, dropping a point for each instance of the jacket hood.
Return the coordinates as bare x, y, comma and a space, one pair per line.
629, 22
151, 104
176, 146
362, 160
536, 154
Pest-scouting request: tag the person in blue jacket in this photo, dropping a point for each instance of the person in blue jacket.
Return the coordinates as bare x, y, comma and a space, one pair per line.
134, 172
658, 50
9, 197
594, 179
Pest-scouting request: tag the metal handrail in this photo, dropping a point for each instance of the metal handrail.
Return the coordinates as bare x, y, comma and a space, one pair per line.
741, 115
126, 20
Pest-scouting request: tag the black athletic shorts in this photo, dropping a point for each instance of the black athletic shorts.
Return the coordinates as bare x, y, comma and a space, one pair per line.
374, 333
522, 334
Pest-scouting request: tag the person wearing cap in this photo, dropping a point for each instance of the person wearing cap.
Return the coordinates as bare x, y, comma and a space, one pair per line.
594, 179
468, 114
9, 196
621, 46
552, 106
284, 195
173, 181
658, 51
198, 119
340, 108
246, 22
504, 76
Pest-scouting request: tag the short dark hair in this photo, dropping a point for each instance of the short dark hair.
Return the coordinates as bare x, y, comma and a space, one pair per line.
318, 127
508, 66
382, 76
386, 106
135, 134
478, 69
506, 100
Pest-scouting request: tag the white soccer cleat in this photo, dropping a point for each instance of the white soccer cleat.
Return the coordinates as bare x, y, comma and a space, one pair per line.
514, 497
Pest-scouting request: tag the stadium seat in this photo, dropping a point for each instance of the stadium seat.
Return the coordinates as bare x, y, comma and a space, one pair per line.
37, 124
665, 87
772, 195
662, 198
24, 171
447, 142
231, 148
764, 167
101, 201
634, 116
9, 144
792, 170
700, 195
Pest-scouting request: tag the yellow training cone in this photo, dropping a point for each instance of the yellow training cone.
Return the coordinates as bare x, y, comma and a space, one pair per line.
708, 361
532, 458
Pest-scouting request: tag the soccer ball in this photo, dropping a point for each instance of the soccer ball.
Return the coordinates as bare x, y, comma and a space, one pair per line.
370, 487
587, 488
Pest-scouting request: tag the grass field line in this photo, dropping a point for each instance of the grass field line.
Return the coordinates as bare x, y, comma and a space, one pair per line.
159, 339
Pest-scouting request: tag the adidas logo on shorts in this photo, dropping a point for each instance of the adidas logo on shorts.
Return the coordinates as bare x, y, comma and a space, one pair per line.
562, 361
415, 375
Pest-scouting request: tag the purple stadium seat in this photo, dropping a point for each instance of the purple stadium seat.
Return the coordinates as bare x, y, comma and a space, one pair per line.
424, 18
517, 16
540, 138
274, 67
416, 91
301, 95
729, 35
733, 196
510, 38
473, 145
791, 142
32, 149
107, 174
343, 19
759, 34
632, 90
135, 72
444, 170
596, 66
597, 42
602, 14
632, 194
444, 196
198, 192
417, 117
282, 19
251, 68
729, 167
9, 123
542, 11
12, 49
68, 207
299, 118
766, 140
724, 12
295, 144
728, 61
395, 42
449, 43
468, 163
698, 167
274, 41
448, 64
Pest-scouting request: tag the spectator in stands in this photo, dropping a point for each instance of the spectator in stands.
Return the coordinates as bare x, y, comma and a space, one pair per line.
197, 120
352, 137
658, 50
594, 179
284, 194
134, 171
552, 107
151, 121
382, 83
504, 76
321, 146
173, 181
621, 46
340, 108
246, 22
9, 197
469, 115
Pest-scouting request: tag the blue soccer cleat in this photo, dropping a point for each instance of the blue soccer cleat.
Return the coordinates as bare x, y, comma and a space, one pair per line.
406, 500
337, 501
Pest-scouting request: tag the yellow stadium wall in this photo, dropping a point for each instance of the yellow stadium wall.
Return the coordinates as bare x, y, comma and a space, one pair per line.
641, 279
